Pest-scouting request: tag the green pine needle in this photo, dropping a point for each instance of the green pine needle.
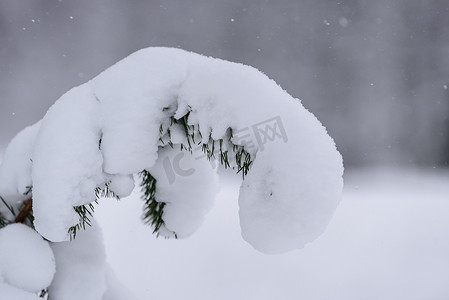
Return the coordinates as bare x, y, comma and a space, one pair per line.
153, 210
9, 207
85, 212
3, 222
237, 157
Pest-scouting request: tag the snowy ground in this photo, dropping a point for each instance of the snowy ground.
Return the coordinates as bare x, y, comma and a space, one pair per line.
389, 239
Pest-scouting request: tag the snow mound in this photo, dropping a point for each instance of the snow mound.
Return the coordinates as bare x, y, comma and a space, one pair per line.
15, 169
27, 263
120, 122
10, 292
67, 164
82, 271
187, 186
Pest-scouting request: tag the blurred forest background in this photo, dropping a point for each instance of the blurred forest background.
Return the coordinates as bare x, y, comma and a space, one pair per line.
376, 73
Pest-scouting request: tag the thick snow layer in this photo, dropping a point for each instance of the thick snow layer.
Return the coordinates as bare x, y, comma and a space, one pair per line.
67, 164
26, 260
187, 185
121, 185
289, 196
112, 126
9, 292
389, 240
82, 271
15, 169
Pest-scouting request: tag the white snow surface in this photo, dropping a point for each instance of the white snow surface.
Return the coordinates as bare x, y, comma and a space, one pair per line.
27, 263
115, 289
288, 196
82, 271
389, 240
67, 164
9, 292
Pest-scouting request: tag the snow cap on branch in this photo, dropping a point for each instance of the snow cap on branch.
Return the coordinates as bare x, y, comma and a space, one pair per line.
27, 264
120, 122
15, 169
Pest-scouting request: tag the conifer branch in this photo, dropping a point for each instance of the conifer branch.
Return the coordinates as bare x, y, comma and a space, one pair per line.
26, 209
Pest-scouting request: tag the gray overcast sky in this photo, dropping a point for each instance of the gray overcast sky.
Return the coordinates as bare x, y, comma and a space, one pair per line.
374, 72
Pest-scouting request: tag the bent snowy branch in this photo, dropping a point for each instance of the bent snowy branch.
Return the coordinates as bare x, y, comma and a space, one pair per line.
142, 112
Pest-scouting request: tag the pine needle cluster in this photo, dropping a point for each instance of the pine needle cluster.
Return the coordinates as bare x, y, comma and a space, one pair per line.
3, 220
153, 210
85, 212
223, 150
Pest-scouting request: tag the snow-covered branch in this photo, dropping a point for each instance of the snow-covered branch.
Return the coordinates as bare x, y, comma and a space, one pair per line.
147, 115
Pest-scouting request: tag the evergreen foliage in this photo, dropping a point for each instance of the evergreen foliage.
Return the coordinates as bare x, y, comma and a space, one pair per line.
3, 220
228, 154
86, 211
153, 210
